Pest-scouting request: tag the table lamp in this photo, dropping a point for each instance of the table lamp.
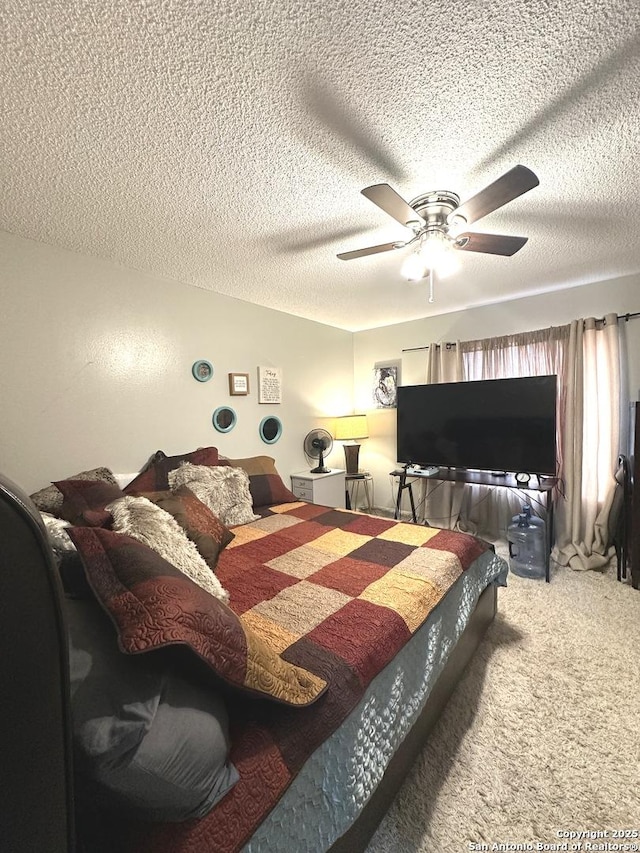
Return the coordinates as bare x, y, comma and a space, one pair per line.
349, 428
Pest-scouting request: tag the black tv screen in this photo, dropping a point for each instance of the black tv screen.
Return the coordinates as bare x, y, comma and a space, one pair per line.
488, 425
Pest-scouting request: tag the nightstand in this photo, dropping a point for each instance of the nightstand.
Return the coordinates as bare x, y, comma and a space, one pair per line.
326, 489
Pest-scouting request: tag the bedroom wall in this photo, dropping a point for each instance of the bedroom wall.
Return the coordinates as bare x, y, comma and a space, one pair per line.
96, 368
378, 453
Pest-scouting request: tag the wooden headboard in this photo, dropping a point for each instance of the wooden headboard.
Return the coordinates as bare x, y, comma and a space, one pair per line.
36, 787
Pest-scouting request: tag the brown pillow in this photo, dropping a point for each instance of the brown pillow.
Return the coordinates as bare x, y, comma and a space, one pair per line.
154, 476
265, 484
154, 605
50, 498
202, 526
84, 501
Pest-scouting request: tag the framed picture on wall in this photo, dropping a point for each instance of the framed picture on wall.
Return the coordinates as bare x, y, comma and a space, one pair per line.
238, 384
269, 385
384, 391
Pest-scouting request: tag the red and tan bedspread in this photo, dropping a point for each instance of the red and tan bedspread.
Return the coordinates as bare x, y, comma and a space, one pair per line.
338, 593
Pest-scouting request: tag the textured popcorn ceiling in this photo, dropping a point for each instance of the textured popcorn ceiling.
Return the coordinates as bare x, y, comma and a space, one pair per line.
224, 144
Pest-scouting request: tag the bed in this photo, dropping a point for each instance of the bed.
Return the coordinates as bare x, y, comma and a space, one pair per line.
342, 638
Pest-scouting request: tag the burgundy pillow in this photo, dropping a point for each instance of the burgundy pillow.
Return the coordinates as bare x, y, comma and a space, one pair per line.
50, 499
154, 476
153, 605
203, 527
84, 501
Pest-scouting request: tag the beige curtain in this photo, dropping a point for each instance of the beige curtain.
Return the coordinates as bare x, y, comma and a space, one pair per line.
444, 363
591, 441
585, 355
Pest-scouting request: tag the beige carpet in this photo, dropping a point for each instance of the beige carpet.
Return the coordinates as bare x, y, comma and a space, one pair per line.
542, 734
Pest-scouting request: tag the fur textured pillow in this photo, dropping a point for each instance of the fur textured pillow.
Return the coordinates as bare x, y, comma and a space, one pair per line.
57, 532
66, 556
143, 520
225, 490
50, 499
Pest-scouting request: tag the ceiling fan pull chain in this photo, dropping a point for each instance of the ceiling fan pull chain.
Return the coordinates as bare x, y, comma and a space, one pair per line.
431, 296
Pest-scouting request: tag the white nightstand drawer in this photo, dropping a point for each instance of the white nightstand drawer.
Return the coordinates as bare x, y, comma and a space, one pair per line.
299, 483
305, 494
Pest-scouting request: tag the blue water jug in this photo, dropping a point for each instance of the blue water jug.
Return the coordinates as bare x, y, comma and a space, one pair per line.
527, 548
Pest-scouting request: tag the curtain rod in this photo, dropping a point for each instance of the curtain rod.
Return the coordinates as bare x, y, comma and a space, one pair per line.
449, 344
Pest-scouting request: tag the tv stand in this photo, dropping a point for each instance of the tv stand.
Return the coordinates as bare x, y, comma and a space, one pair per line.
480, 478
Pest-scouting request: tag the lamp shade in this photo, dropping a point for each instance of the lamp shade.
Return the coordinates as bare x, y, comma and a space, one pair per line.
351, 427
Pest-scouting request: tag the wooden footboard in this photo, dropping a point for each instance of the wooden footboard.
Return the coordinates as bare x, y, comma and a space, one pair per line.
357, 837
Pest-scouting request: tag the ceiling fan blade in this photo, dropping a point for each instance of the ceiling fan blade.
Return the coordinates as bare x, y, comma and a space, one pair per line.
372, 250
513, 183
388, 200
492, 244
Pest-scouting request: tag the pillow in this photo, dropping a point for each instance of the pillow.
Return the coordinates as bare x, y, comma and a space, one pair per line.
223, 489
153, 605
84, 501
66, 556
57, 532
206, 531
147, 742
265, 484
153, 478
148, 523
50, 499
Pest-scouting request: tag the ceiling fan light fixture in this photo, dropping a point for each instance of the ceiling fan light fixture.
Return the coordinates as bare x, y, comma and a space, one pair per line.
433, 248
414, 267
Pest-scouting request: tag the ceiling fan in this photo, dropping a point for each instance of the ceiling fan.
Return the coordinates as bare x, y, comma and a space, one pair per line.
437, 220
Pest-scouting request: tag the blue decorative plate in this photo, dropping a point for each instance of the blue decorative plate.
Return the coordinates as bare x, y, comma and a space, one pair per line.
202, 370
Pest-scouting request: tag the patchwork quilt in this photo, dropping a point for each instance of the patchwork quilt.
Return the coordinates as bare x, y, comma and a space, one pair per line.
337, 593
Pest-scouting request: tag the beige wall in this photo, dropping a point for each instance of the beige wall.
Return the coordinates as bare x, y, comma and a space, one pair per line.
378, 453
96, 365
96, 368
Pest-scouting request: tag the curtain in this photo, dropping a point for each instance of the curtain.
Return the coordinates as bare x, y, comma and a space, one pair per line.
591, 444
585, 355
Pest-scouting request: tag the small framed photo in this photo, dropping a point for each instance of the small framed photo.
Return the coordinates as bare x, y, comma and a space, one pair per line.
238, 384
386, 378
202, 370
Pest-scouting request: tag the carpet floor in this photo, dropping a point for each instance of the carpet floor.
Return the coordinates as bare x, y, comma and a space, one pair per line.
542, 735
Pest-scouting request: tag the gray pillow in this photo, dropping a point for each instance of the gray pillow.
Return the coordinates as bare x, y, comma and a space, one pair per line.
147, 741
50, 498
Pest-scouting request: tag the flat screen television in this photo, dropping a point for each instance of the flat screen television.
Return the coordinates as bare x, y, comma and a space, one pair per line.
498, 425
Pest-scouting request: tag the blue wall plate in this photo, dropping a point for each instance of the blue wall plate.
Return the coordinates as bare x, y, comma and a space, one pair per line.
270, 429
202, 370
224, 419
